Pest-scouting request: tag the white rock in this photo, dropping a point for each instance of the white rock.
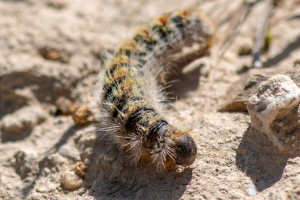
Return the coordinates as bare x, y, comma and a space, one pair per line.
274, 112
45, 186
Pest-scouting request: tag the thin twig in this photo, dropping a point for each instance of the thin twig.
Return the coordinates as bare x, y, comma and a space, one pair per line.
261, 34
235, 25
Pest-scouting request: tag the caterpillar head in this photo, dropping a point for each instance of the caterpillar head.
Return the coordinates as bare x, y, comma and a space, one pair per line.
185, 149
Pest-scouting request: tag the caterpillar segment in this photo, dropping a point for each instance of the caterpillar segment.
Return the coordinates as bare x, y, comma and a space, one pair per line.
130, 95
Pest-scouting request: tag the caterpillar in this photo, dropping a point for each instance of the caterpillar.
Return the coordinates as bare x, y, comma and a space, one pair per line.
131, 93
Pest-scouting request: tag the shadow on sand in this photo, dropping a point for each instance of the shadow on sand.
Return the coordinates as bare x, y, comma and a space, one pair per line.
260, 160
118, 179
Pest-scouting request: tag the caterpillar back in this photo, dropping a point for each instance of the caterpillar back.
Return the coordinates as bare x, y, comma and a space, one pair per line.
131, 95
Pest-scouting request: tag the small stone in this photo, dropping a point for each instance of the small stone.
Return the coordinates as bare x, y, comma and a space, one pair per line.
24, 162
19, 124
44, 186
55, 54
64, 106
46, 171
179, 169
80, 169
82, 114
69, 152
21, 166
252, 189
71, 181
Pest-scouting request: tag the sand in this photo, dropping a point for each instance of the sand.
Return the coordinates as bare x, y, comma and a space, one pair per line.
55, 48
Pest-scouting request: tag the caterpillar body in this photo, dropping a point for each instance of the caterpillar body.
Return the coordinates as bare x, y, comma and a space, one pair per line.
131, 94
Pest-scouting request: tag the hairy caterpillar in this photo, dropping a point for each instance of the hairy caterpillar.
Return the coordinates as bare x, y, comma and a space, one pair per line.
132, 90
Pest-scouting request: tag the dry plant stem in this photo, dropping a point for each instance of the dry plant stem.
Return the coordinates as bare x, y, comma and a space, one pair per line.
235, 26
261, 33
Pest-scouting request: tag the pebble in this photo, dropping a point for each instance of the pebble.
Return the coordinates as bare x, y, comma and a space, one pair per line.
251, 189
45, 186
50, 53
24, 162
71, 181
80, 169
46, 171
69, 152
64, 106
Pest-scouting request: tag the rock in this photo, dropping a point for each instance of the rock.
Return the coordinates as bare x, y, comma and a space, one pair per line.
45, 186
50, 53
24, 162
64, 106
69, 151
80, 169
46, 171
71, 181
83, 114
19, 124
274, 111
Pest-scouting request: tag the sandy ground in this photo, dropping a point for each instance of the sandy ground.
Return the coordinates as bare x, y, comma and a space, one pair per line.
38, 146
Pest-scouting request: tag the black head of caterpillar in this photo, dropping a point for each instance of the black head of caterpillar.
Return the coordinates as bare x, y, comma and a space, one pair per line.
185, 148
